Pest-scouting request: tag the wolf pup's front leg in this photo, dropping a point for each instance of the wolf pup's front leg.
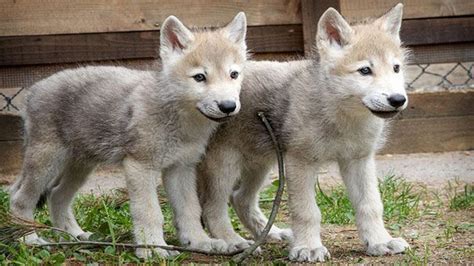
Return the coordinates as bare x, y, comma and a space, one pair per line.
305, 213
145, 208
361, 182
180, 186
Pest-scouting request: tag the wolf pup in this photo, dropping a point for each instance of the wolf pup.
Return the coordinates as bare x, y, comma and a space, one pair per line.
327, 109
155, 123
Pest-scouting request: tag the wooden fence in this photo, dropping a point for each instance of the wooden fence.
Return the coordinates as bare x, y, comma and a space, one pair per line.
38, 38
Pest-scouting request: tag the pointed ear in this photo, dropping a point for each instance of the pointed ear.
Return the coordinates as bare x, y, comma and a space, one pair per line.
333, 30
174, 37
236, 30
392, 20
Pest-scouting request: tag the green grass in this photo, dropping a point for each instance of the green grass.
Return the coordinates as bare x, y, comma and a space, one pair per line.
460, 199
399, 199
109, 218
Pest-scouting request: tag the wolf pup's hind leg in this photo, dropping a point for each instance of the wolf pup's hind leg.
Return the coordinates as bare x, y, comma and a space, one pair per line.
42, 163
61, 195
245, 200
216, 177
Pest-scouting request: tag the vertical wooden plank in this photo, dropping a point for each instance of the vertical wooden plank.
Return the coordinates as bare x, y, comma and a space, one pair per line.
311, 10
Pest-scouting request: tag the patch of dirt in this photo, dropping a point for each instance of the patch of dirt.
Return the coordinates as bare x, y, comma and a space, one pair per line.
428, 237
444, 237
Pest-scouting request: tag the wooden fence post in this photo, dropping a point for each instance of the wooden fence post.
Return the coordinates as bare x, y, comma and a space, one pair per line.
311, 11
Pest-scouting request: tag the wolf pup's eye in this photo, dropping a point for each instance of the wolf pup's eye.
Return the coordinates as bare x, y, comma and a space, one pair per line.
199, 77
234, 75
365, 71
396, 68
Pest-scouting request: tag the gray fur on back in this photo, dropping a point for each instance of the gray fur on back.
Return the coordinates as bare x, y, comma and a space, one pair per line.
95, 111
87, 109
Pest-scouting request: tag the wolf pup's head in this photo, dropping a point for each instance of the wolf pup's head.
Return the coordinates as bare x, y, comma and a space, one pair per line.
206, 65
365, 61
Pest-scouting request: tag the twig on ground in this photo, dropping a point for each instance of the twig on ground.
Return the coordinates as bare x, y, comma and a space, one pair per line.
133, 246
345, 230
13, 228
276, 203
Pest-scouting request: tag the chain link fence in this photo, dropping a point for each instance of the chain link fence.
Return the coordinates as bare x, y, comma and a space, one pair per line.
8, 104
426, 77
439, 76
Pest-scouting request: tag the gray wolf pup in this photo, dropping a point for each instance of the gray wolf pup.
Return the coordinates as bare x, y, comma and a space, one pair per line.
326, 109
155, 123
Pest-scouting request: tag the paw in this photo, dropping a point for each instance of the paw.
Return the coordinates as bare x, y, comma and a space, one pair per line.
306, 254
84, 236
393, 246
278, 234
244, 245
210, 244
234, 246
257, 251
145, 253
33, 239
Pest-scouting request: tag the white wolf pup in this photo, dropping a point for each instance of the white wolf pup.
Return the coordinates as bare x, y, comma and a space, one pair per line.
326, 109
155, 123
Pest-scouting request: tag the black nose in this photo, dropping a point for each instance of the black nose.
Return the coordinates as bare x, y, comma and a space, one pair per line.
397, 100
227, 106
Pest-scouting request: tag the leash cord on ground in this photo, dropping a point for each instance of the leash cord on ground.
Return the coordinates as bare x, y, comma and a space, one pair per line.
276, 203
